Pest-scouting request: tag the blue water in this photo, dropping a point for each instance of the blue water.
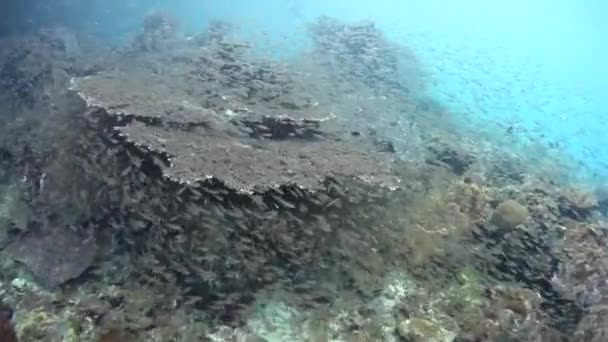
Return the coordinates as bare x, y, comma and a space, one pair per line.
539, 66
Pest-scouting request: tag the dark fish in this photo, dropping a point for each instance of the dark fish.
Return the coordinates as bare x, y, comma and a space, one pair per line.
334, 203
242, 226
323, 224
136, 224
195, 210
216, 210
258, 201
303, 208
178, 267
299, 193
235, 212
182, 190
282, 202
174, 227
193, 300
210, 258
126, 171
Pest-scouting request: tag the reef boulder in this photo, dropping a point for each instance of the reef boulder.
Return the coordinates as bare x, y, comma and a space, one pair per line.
55, 256
509, 214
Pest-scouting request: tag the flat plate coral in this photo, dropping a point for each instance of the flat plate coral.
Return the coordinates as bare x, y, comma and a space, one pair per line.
215, 114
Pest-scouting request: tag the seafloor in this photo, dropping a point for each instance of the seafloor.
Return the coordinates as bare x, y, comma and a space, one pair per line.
193, 189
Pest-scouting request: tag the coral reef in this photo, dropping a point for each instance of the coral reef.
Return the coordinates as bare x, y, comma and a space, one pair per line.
216, 156
191, 190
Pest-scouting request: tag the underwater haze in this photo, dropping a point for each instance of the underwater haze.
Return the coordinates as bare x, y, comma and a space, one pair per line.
290, 170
